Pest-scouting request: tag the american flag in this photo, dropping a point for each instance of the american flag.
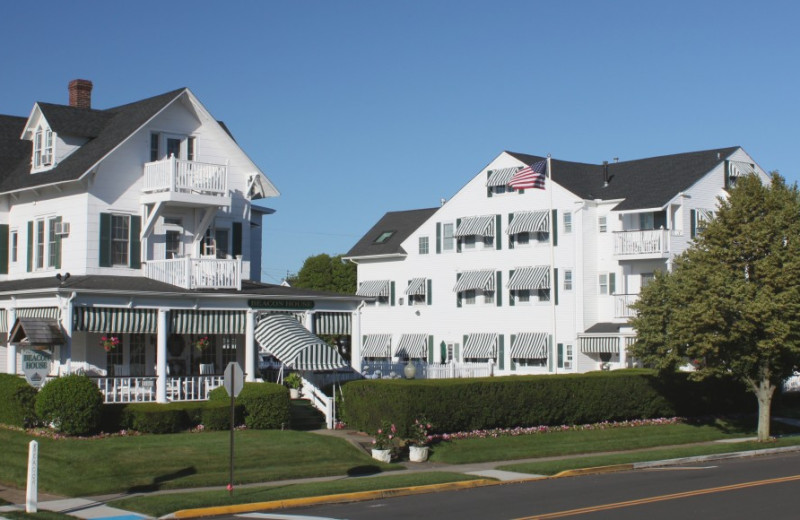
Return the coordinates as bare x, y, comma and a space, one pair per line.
532, 176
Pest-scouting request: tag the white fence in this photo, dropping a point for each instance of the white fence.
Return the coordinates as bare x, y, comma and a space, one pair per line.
424, 370
177, 175
143, 389
197, 273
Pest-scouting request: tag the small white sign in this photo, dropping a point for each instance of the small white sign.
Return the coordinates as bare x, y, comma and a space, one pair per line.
36, 365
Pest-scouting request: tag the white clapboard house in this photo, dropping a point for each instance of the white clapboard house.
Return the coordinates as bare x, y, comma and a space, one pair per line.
533, 281
130, 250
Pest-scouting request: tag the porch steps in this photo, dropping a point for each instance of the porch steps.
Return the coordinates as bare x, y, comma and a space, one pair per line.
303, 416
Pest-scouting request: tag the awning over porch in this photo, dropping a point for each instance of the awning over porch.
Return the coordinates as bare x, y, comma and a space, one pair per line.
53, 313
297, 348
188, 321
332, 323
37, 332
530, 222
529, 345
599, 345
481, 345
377, 345
116, 320
412, 346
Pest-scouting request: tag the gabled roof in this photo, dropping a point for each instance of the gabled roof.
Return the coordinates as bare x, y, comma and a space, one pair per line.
12, 148
642, 183
400, 223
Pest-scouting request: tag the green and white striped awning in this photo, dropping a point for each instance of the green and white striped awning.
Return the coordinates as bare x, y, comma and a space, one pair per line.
481, 345
3, 321
740, 168
530, 222
53, 313
599, 344
185, 321
483, 225
530, 278
483, 280
501, 177
332, 323
416, 287
297, 348
374, 288
411, 346
123, 321
529, 345
377, 346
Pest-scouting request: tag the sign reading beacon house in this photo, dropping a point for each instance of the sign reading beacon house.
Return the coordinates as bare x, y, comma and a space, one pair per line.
36, 366
298, 305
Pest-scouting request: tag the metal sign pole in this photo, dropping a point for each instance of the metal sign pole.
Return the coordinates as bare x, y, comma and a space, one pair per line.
233, 385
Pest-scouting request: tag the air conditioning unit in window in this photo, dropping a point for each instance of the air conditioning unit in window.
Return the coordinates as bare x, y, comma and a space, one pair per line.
567, 365
61, 228
47, 160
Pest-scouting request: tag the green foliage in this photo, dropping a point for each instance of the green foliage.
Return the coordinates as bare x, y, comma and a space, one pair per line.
325, 273
266, 405
71, 404
217, 415
177, 417
293, 380
17, 401
504, 402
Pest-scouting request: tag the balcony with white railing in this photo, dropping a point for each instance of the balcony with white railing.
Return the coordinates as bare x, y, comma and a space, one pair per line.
188, 182
622, 305
648, 243
197, 273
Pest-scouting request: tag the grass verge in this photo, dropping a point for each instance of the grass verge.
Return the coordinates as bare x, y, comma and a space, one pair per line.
41, 515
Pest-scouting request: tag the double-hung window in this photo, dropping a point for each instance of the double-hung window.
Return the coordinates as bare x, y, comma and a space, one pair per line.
120, 240
568, 280
14, 245
448, 240
44, 245
603, 283
602, 224
423, 245
567, 222
39, 244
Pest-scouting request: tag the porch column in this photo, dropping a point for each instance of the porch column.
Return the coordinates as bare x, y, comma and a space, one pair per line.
65, 355
623, 352
250, 346
355, 339
310, 322
11, 352
161, 356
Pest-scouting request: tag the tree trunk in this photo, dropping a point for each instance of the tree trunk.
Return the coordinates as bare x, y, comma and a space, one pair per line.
764, 391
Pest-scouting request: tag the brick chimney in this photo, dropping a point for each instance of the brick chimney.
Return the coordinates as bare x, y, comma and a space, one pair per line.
80, 93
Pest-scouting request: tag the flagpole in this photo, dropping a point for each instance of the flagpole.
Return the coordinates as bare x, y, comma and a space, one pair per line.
553, 281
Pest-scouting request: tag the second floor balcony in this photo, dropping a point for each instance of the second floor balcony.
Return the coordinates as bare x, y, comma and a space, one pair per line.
187, 182
622, 305
647, 243
197, 273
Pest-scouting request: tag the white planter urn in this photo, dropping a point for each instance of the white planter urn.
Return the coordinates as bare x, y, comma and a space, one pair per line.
294, 393
418, 453
382, 455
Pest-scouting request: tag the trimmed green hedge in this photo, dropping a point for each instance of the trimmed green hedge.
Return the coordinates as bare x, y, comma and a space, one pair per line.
504, 402
71, 404
177, 417
266, 405
17, 401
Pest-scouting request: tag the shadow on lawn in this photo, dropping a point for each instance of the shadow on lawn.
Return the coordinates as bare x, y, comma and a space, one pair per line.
158, 481
363, 471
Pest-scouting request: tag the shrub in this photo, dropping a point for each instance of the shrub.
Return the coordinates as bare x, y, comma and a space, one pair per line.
17, 401
71, 404
157, 417
217, 415
266, 405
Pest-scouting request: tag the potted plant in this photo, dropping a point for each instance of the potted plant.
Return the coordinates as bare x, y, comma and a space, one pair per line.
418, 440
383, 442
294, 382
202, 344
109, 343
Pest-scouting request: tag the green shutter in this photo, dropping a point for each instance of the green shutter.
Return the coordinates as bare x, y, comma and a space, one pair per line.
511, 299
105, 240
53, 222
498, 289
135, 261
3, 248
458, 294
429, 292
510, 237
554, 226
560, 355
438, 238
501, 353
430, 349
408, 296
727, 174
238, 243
458, 240
498, 238
443, 351
513, 340
550, 353
554, 286
30, 246
612, 283
488, 188
391, 287
693, 222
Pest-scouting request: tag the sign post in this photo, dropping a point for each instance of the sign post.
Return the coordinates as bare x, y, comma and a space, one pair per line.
233, 383
32, 492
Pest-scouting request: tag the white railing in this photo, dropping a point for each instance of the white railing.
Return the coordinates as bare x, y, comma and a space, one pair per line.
197, 273
192, 388
127, 389
177, 175
622, 305
651, 241
319, 400
458, 370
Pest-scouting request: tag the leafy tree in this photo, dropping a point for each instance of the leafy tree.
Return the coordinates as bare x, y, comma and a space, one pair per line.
326, 273
731, 305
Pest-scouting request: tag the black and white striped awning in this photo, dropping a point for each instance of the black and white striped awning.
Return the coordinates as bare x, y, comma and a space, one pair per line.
374, 288
481, 345
52, 313
3, 321
529, 222
185, 321
740, 168
599, 344
377, 346
332, 323
483, 225
283, 337
108, 319
411, 346
530, 278
529, 345
483, 280
416, 287
501, 177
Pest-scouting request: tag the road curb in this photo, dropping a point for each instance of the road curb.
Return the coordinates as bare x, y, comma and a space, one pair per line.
593, 471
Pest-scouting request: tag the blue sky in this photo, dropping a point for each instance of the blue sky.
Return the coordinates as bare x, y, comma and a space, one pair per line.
356, 108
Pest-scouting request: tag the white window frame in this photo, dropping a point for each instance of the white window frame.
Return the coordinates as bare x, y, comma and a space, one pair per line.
44, 243
126, 241
424, 246
14, 245
567, 222
448, 242
602, 281
568, 279
568, 356
602, 224
43, 148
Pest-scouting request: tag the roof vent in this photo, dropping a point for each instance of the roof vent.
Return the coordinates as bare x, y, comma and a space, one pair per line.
605, 174
442, 201
80, 93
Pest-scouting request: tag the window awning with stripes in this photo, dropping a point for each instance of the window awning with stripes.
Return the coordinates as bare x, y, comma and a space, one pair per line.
53, 313
501, 177
332, 323
416, 287
481, 345
377, 346
374, 288
483, 279
530, 278
109, 319
740, 168
599, 344
530, 222
297, 348
411, 346
483, 225
529, 345
185, 321
3, 320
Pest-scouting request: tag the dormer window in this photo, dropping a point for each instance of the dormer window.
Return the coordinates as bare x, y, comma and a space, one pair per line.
42, 148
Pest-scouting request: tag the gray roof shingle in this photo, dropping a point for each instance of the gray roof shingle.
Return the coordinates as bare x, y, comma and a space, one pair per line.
401, 223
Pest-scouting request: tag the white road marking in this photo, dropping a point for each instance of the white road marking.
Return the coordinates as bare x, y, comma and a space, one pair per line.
267, 516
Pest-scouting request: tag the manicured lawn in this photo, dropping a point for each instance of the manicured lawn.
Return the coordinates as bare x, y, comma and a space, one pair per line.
85, 467
41, 515
158, 505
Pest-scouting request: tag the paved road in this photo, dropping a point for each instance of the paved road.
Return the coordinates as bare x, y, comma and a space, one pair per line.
761, 487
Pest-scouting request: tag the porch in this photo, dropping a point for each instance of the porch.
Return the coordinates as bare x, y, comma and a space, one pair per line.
622, 305
649, 243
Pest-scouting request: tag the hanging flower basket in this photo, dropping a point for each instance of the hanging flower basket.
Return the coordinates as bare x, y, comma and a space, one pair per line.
202, 343
109, 343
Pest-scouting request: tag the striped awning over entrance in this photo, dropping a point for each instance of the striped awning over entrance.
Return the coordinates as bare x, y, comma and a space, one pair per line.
374, 288
3, 321
501, 177
107, 319
530, 278
483, 279
529, 345
416, 287
283, 337
332, 323
481, 345
483, 225
412, 346
599, 344
530, 222
53, 313
377, 346
185, 321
